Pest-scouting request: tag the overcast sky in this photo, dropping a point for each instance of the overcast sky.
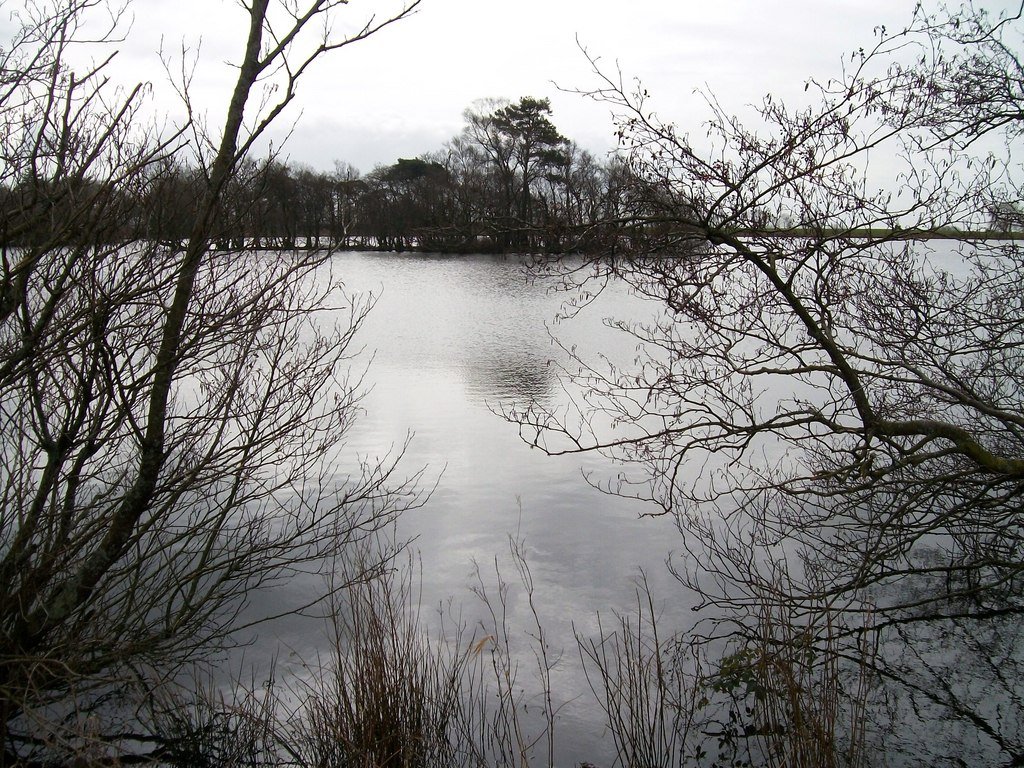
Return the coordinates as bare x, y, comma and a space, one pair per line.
402, 92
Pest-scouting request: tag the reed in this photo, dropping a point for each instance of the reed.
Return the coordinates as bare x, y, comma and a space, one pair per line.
398, 691
392, 694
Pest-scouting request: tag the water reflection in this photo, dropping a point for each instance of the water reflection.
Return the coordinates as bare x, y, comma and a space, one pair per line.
454, 337
510, 376
481, 318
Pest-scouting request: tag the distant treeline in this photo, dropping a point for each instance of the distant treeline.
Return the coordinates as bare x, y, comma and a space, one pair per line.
508, 182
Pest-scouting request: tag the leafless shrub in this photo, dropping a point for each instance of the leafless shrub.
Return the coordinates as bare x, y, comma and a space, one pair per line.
393, 692
169, 414
831, 404
649, 687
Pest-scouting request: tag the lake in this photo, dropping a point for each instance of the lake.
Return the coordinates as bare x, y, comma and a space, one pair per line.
452, 338
449, 342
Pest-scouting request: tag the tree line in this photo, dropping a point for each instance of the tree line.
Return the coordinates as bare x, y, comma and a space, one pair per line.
508, 181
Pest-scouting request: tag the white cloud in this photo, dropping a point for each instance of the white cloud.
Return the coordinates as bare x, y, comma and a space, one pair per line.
403, 92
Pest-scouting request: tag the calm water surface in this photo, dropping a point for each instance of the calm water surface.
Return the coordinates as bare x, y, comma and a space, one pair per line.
453, 338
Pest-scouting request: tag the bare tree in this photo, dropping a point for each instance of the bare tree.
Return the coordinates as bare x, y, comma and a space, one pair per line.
833, 404
171, 420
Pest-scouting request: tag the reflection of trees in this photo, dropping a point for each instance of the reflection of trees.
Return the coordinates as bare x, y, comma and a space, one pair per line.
507, 375
952, 687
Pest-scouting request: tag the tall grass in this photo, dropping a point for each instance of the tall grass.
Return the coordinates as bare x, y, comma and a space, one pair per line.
237, 728
392, 695
781, 694
648, 687
808, 710
399, 691
517, 727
